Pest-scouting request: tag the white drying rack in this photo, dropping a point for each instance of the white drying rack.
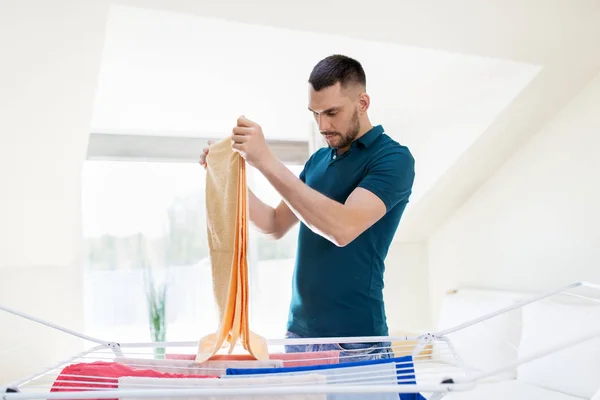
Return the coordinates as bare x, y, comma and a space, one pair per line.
431, 365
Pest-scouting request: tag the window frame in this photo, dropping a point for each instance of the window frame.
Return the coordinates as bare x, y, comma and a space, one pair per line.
162, 147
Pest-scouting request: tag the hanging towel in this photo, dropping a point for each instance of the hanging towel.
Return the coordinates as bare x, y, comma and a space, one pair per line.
398, 370
210, 367
227, 220
126, 383
289, 359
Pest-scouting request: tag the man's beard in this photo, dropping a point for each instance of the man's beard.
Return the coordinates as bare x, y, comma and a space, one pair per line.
347, 139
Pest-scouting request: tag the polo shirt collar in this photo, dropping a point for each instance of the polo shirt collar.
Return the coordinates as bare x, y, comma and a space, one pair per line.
368, 138
365, 140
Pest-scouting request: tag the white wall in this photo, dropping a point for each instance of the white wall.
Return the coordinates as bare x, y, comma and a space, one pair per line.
48, 69
536, 223
406, 292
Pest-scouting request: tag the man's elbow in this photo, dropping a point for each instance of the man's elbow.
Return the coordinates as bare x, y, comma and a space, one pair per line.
340, 242
270, 234
275, 235
344, 238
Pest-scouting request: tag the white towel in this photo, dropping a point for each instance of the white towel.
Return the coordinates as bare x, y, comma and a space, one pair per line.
142, 383
189, 367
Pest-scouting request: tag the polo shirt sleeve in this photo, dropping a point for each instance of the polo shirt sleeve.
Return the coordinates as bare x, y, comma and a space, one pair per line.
302, 175
390, 176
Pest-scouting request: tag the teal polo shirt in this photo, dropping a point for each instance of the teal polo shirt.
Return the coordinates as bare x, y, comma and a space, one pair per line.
338, 291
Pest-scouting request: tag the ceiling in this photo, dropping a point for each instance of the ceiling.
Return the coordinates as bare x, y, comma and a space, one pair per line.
461, 83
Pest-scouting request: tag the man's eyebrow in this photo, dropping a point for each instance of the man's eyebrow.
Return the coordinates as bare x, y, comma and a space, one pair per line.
326, 111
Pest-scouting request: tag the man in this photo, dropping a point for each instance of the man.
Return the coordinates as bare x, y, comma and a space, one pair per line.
349, 198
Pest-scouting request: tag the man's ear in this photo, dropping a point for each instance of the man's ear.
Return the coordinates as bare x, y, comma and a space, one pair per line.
364, 101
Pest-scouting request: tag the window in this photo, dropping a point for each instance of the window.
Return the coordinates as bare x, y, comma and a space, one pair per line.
152, 214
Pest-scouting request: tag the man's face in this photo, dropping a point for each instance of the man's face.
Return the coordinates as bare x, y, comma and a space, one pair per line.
336, 112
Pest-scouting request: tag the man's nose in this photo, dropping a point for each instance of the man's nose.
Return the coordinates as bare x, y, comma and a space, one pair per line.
323, 123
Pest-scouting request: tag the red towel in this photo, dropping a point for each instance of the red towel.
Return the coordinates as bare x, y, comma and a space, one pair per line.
104, 375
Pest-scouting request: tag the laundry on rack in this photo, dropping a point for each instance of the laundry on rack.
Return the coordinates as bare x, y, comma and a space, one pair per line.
289, 359
386, 371
126, 383
104, 375
189, 367
227, 222
368, 375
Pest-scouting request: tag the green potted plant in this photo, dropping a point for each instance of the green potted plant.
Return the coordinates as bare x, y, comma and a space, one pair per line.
156, 297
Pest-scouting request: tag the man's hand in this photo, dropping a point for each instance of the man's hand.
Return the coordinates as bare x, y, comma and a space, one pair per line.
272, 222
249, 141
202, 161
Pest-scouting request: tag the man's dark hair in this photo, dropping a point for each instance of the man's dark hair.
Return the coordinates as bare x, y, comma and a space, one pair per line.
337, 68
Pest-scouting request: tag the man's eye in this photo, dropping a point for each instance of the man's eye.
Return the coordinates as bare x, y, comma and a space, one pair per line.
331, 114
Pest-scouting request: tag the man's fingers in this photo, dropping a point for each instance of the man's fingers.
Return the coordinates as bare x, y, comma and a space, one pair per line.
237, 146
210, 142
242, 134
242, 130
240, 138
243, 121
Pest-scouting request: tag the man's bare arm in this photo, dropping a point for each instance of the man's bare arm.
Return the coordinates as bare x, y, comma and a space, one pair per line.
274, 222
337, 222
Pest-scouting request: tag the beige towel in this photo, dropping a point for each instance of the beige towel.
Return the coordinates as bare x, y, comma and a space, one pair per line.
143, 383
227, 221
